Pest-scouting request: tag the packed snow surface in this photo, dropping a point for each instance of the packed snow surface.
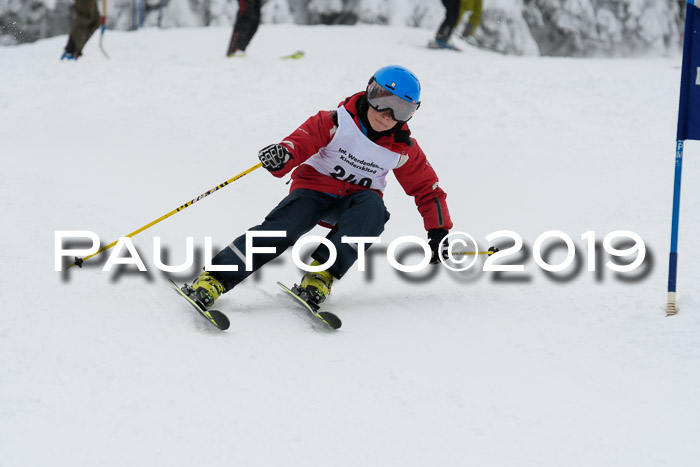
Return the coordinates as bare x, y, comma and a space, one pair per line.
573, 368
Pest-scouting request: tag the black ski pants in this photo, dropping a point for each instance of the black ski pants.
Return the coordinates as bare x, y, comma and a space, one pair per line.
451, 18
247, 22
361, 214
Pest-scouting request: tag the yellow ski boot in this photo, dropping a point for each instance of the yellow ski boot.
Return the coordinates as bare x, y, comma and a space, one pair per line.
317, 284
207, 289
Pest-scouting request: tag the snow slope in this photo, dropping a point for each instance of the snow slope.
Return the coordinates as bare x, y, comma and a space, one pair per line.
572, 369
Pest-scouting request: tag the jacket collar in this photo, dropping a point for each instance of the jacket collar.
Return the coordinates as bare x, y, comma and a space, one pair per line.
399, 137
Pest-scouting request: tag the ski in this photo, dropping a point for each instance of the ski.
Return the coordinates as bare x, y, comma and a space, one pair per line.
215, 317
295, 56
433, 44
328, 318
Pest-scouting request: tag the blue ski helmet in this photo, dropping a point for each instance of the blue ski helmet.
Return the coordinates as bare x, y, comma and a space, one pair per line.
395, 88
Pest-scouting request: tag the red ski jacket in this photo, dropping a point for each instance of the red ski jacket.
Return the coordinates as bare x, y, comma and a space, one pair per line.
416, 176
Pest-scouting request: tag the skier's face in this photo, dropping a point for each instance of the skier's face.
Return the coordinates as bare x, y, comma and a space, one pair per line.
380, 120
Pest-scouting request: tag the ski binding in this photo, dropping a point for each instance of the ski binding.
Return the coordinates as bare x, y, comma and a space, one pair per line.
328, 318
215, 317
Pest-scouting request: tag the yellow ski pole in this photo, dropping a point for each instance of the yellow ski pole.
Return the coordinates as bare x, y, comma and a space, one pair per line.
79, 261
490, 251
462, 253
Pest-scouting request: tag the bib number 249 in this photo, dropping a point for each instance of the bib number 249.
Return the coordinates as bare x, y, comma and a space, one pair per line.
339, 174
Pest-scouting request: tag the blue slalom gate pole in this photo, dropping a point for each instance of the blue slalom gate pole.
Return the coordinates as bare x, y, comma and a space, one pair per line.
142, 13
673, 257
688, 128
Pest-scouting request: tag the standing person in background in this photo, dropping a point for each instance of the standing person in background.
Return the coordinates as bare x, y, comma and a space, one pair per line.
86, 22
247, 22
454, 11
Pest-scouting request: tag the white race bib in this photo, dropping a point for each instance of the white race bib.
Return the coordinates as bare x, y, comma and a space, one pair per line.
353, 158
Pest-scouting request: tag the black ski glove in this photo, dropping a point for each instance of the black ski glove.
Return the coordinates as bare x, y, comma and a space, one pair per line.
435, 236
274, 157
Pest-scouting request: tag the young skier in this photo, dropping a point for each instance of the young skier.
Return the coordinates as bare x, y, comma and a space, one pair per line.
340, 160
454, 11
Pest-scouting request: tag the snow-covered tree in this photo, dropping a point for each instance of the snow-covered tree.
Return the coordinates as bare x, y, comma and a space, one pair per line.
523, 27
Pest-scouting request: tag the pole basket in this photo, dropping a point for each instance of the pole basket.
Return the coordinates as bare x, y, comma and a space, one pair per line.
671, 308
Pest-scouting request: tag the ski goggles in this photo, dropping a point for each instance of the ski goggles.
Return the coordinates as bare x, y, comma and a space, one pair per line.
381, 99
